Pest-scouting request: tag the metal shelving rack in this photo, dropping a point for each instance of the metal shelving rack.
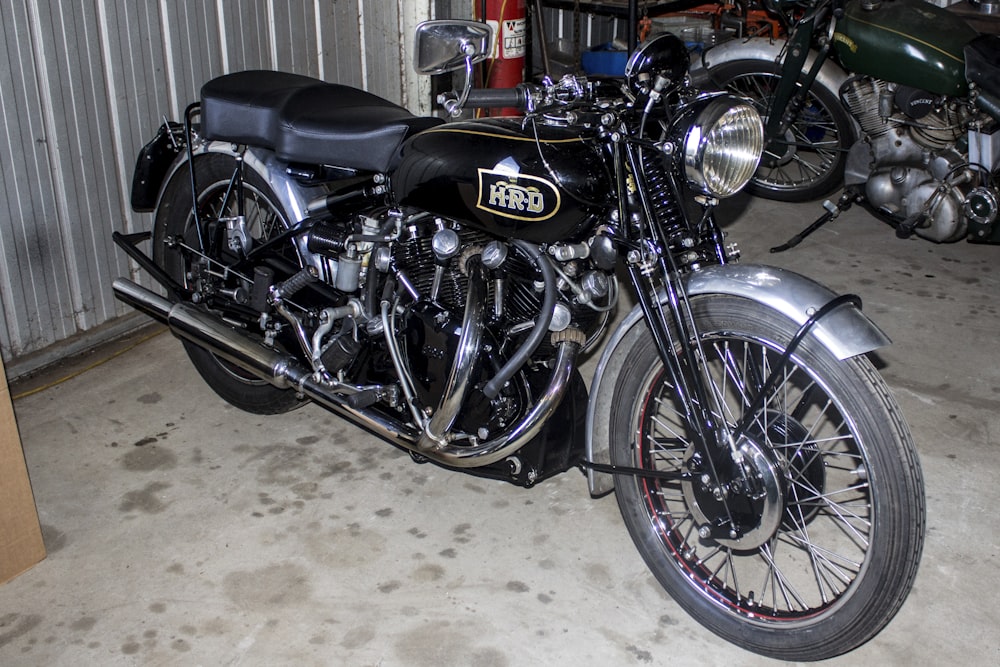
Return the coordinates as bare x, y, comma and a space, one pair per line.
627, 9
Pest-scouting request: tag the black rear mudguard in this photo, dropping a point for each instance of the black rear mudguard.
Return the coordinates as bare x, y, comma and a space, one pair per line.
152, 166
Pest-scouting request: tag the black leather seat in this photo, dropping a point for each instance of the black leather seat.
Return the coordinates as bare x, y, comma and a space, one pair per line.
243, 107
307, 120
344, 125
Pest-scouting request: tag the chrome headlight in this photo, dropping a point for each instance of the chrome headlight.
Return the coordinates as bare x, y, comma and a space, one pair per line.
722, 146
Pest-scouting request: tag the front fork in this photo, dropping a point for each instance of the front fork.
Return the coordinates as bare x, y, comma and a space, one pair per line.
717, 463
791, 93
654, 272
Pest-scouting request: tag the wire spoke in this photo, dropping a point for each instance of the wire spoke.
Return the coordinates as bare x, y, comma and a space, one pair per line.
814, 551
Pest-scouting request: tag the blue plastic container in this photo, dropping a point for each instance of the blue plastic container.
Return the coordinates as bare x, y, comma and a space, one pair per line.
604, 60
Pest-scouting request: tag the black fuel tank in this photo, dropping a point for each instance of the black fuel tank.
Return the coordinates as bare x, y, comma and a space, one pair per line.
493, 174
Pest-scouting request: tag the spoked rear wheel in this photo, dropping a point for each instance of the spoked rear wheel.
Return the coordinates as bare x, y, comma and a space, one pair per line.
813, 550
199, 265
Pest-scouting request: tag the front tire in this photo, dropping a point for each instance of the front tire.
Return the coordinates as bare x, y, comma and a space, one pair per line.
213, 174
808, 161
829, 545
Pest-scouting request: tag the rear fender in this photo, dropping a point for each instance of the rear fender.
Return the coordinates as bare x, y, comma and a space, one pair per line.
845, 332
293, 196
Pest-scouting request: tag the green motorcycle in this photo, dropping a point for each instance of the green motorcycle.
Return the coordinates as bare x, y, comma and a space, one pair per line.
896, 100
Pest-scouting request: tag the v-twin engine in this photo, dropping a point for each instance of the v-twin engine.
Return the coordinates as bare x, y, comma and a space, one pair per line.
911, 163
456, 346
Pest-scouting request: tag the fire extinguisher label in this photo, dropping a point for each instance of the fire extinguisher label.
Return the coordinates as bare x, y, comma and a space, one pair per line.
513, 37
510, 39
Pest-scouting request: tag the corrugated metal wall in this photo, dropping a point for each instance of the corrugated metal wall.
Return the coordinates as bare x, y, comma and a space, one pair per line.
86, 83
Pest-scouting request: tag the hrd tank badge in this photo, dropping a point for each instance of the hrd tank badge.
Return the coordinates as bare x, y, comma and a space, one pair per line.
517, 196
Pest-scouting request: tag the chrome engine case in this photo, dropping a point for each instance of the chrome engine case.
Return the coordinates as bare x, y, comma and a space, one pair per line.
908, 167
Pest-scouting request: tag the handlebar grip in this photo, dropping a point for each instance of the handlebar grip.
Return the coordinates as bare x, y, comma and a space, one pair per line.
498, 97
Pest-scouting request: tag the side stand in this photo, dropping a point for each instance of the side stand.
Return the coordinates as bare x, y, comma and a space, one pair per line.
845, 202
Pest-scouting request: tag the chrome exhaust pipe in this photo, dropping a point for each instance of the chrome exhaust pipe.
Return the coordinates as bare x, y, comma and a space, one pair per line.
212, 334
460, 378
283, 371
484, 453
236, 347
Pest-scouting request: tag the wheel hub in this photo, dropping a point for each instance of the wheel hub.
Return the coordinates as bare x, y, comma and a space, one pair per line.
754, 504
748, 505
779, 151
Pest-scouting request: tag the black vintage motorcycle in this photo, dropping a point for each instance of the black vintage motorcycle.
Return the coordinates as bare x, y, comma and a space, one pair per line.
436, 283
898, 100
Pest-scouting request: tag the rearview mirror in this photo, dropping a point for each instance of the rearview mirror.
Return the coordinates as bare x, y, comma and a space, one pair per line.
448, 45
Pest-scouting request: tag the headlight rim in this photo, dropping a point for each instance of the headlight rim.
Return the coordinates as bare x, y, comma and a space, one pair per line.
703, 119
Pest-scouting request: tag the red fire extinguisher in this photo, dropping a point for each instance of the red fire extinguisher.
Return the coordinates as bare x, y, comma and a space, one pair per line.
510, 27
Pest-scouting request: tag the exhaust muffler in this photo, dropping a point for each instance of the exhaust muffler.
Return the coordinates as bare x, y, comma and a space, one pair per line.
240, 349
284, 371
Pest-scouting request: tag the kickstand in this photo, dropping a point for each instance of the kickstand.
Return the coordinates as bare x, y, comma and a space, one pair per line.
832, 211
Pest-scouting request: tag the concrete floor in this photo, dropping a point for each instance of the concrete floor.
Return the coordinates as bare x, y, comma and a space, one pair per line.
183, 532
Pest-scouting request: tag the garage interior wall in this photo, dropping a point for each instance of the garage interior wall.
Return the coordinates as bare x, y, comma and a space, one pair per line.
86, 83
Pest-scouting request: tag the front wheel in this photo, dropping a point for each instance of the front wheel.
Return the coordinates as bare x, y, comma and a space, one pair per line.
807, 161
807, 542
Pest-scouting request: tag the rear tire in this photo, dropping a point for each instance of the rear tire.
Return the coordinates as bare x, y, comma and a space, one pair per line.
174, 219
828, 550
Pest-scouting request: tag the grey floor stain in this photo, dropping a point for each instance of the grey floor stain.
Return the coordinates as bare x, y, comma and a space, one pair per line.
13, 626
428, 572
641, 655
357, 637
446, 646
55, 540
278, 585
461, 533
180, 645
148, 459
83, 624
145, 500
389, 586
517, 586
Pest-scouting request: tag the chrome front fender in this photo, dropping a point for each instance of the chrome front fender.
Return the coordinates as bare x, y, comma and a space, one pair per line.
845, 332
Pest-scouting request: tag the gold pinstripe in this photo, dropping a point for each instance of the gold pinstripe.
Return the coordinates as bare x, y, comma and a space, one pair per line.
494, 135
